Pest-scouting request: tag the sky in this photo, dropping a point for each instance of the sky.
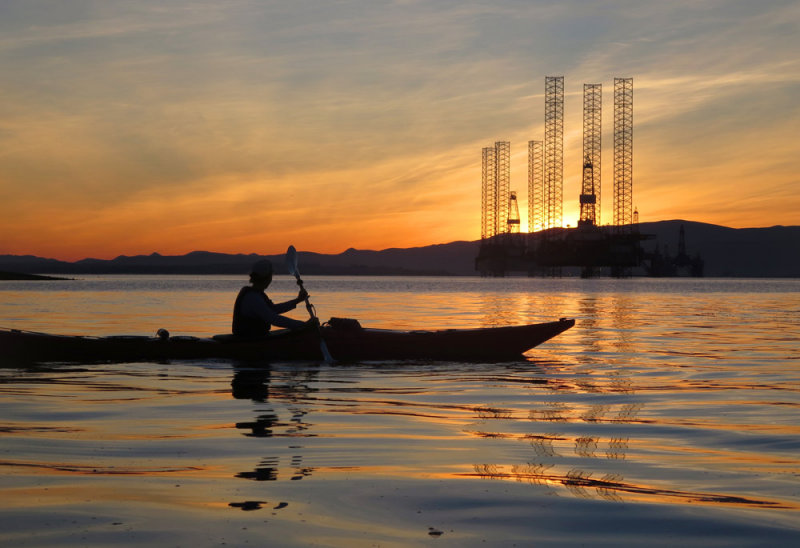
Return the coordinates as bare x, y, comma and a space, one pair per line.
245, 126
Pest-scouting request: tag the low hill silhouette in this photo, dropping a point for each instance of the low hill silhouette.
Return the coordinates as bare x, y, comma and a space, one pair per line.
772, 252
730, 252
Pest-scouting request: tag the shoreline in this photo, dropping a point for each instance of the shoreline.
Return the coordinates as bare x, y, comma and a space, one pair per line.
9, 276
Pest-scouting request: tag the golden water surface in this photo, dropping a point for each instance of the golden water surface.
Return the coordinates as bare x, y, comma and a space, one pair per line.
669, 414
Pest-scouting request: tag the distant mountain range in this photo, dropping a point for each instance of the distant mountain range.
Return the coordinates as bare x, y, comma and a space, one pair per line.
729, 252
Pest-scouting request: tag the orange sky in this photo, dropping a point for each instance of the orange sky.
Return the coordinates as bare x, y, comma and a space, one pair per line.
129, 128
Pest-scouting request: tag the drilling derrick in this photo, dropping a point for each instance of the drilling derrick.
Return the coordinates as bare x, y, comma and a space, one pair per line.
592, 136
553, 151
495, 183
512, 214
535, 187
623, 154
499, 211
488, 193
503, 184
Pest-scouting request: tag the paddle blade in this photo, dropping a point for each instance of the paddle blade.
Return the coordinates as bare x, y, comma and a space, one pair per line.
291, 261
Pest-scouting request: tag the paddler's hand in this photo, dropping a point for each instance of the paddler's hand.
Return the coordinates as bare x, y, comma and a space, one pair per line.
302, 295
312, 322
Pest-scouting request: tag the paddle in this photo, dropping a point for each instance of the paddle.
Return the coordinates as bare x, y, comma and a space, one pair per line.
291, 265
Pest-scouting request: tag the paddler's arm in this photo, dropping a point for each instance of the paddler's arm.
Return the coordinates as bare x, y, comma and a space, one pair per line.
288, 323
280, 308
255, 305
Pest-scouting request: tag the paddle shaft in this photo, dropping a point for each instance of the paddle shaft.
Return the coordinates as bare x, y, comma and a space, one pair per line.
322, 346
291, 264
309, 306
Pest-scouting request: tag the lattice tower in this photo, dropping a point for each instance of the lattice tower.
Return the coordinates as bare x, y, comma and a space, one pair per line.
503, 184
535, 186
623, 153
592, 141
488, 192
553, 209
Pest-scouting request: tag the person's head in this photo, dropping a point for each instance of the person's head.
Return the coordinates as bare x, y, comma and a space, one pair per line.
261, 273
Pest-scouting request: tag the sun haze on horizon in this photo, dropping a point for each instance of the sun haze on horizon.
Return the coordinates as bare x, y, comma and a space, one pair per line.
244, 126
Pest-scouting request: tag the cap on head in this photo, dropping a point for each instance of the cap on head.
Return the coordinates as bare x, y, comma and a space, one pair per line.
262, 269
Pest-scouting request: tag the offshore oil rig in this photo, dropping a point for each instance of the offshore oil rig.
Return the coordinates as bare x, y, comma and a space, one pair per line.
549, 248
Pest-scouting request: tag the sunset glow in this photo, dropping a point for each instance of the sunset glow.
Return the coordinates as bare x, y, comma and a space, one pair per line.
242, 127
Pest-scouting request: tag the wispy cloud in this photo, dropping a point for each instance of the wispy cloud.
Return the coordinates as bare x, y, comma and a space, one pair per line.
357, 114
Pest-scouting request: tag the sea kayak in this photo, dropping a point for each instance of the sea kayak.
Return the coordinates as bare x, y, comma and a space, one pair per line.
347, 341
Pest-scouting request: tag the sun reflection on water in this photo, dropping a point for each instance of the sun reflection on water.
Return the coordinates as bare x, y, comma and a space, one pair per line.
669, 398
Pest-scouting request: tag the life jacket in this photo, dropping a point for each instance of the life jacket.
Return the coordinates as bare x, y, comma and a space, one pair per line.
245, 326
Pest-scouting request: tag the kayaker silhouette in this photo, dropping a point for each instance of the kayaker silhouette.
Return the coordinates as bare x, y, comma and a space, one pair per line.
254, 313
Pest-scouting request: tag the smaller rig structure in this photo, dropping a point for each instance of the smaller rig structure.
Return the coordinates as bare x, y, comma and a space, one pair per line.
592, 140
548, 248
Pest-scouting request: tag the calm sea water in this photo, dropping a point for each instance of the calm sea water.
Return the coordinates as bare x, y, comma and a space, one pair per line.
670, 414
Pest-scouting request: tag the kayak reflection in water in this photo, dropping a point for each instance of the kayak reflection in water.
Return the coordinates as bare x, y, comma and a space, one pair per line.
254, 313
